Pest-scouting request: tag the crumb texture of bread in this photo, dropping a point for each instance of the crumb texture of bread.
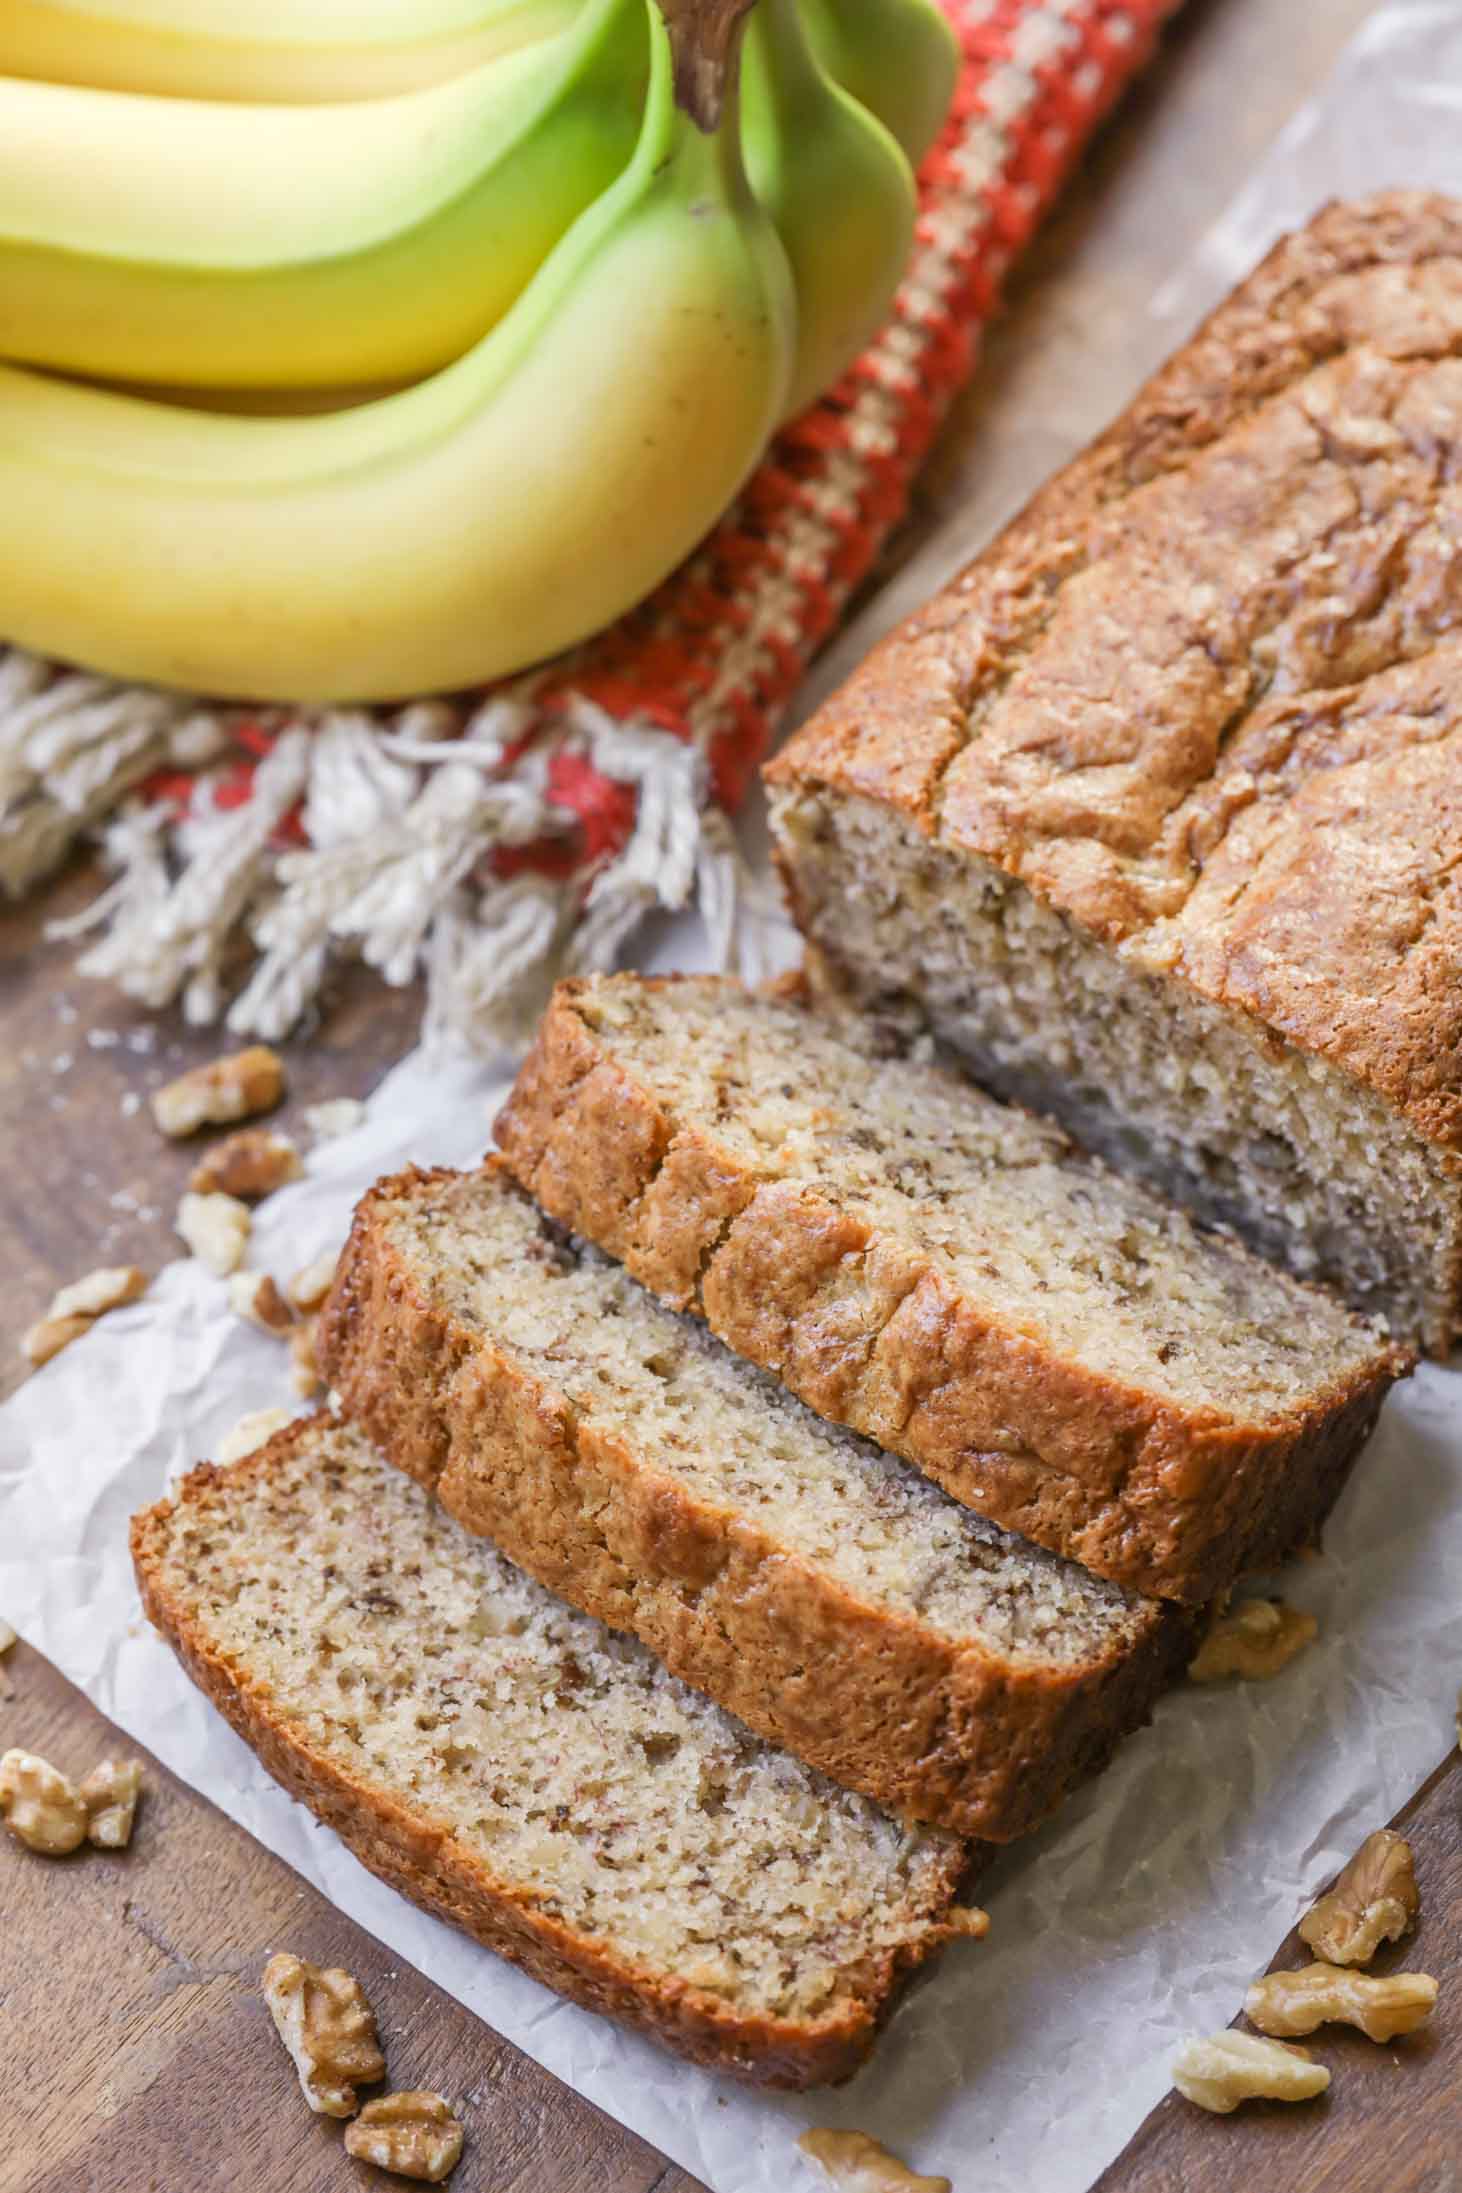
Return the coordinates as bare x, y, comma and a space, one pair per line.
533, 1777
1155, 813
828, 1595
949, 1276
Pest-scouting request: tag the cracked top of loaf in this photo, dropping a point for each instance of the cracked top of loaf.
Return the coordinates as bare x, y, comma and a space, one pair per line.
1204, 695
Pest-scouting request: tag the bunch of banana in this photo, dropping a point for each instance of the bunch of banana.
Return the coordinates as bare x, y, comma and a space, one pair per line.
211, 246
280, 50
600, 319
898, 58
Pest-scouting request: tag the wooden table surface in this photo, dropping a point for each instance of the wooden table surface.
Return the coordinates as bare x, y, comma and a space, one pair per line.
135, 2052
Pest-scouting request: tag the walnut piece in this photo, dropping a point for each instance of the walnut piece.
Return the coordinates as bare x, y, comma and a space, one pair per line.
250, 1163
102, 1290
1228, 2068
253, 1295
40, 1805
968, 1920
413, 2134
78, 1306
50, 1335
854, 2163
1375, 1900
8, 1637
335, 1117
327, 2025
216, 1229
1289, 2003
110, 1793
308, 1289
216, 1095
1254, 1640
250, 1433
305, 1364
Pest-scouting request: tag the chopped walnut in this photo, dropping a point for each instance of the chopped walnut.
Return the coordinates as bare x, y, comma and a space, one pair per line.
327, 2025
308, 1289
413, 2134
854, 2163
1254, 1640
306, 1368
968, 1920
77, 1307
40, 1805
253, 1295
1375, 1900
1229, 2068
1288, 2003
47, 1338
106, 1289
110, 1793
216, 1095
335, 1117
251, 1163
216, 1229
250, 1433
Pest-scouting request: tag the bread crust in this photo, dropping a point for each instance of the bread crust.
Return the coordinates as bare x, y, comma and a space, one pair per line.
951, 1733
1160, 1498
1203, 696
420, 1857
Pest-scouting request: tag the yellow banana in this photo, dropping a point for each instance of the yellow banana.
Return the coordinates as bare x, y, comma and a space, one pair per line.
839, 189
464, 528
303, 50
898, 58
272, 247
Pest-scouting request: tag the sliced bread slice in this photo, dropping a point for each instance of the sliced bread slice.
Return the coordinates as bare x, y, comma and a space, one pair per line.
522, 1772
947, 1274
826, 1594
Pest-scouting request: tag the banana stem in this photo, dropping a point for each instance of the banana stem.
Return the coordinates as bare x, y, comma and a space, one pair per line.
705, 42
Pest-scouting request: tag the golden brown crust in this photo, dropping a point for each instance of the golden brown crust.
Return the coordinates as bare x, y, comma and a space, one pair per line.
1161, 1498
1203, 695
419, 1856
951, 1733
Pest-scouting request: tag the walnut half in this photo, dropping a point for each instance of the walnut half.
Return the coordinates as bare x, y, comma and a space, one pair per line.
855, 2163
110, 1793
222, 1092
216, 1229
254, 1297
1254, 1640
251, 1163
40, 1805
327, 2025
76, 1309
1286, 2003
1228, 2068
1375, 1900
414, 2134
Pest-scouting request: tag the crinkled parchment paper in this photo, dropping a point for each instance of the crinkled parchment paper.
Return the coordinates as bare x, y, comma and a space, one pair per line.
1025, 2063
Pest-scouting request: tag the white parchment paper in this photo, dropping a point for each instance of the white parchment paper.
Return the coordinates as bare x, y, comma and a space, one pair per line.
1026, 2062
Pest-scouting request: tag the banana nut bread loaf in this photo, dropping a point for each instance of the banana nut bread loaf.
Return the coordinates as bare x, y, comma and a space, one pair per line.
946, 1274
531, 1777
1155, 813
820, 1590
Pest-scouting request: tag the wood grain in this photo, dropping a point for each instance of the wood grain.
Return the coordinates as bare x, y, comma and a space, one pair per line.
1391, 2120
136, 2054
